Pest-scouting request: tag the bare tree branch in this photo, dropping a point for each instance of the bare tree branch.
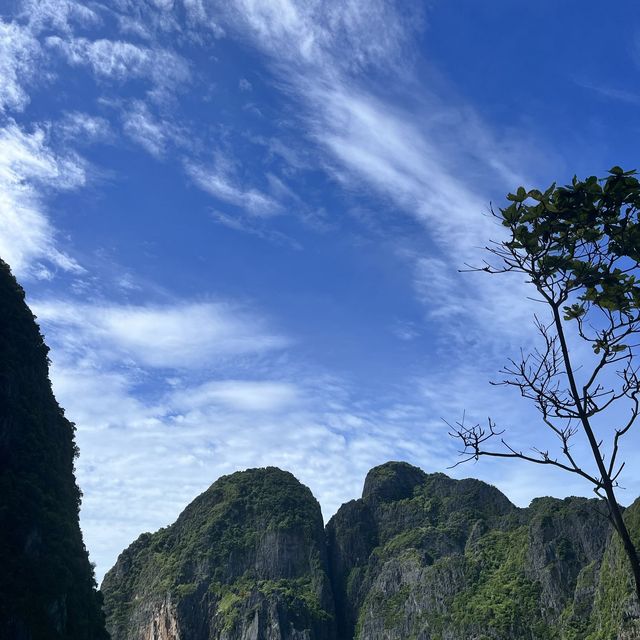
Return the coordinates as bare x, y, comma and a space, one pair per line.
578, 246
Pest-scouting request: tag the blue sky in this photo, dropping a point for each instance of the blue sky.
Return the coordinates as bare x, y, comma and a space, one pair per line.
240, 224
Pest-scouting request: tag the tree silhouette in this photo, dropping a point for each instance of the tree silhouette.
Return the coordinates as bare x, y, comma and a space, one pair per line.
579, 247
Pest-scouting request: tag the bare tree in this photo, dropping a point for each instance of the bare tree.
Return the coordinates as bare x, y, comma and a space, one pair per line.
579, 247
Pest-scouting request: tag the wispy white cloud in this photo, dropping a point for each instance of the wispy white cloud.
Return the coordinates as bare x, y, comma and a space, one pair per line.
429, 158
178, 335
244, 395
316, 31
219, 181
142, 127
435, 283
405, 330
41, 158
199, 14
400, 161
296, 157
84, 128
19, 55
410, 155
255, 226
28, 169
58, 15
612, 93
121, 61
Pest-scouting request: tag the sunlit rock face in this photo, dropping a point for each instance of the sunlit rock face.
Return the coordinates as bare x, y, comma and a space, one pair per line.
245, 560
427, 557
47, 590
616, 611
419, 556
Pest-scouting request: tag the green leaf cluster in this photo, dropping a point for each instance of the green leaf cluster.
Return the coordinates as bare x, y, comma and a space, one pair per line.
585, 235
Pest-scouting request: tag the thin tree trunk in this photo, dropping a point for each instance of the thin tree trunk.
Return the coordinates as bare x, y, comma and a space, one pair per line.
614, 508
625, 537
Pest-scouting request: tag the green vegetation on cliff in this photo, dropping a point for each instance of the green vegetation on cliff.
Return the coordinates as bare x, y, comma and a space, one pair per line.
448, 559
616, 607
251, 545
47, 589
419, 557
500, 595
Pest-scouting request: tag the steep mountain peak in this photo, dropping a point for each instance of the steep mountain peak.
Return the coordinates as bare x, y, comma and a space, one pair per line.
246, 559
47, 590
392, 481
275, 496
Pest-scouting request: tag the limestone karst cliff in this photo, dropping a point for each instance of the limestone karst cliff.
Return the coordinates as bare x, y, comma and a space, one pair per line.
427, 557
47, 589
245, 560
419, 556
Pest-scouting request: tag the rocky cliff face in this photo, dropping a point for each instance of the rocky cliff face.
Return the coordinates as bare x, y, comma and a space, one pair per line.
419, 556
429, 558
615, 607
412, 520
47, 590
246, 560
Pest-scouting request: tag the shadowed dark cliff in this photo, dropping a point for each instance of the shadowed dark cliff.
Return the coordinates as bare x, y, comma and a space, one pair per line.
418, 557
47, 589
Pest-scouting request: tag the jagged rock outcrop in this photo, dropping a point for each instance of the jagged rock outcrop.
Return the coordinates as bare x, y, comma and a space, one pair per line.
418, 557
616, 608
246, 560
47, 589
426, 557
419, 526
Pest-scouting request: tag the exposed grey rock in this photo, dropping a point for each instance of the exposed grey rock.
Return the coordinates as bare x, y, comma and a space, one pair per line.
454, 560
418, 557
246, 560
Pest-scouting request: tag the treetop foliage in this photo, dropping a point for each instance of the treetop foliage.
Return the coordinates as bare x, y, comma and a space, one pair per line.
579, 246
579, 243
